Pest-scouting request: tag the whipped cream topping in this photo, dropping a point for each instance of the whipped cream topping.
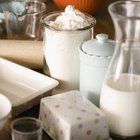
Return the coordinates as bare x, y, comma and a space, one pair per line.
71, 19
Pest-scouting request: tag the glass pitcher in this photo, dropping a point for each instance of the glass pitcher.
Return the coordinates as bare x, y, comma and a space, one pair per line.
22, 19
120, 94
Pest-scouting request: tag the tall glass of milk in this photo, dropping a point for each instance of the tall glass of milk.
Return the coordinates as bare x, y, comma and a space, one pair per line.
120, 93
63, 33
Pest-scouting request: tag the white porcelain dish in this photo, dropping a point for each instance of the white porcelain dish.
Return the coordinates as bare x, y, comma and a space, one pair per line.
5, 109
22, 86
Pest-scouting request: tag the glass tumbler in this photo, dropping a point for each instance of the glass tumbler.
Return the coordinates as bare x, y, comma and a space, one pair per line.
61, 56
26, 128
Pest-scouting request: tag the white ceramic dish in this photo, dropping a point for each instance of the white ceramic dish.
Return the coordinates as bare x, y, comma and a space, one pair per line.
22, 86
5, 109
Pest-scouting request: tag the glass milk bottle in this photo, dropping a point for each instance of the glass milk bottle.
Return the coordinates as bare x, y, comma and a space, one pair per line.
120, 94
61, 40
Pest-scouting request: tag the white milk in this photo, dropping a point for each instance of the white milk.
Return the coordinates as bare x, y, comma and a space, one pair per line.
122, 105
62, 56
62, 38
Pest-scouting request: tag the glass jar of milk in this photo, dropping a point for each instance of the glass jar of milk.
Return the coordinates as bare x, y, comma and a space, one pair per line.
63, 33
120, 94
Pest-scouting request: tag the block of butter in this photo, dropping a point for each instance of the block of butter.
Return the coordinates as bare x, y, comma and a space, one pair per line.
71, 116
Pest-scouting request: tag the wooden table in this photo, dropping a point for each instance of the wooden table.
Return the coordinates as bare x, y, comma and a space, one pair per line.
104, 25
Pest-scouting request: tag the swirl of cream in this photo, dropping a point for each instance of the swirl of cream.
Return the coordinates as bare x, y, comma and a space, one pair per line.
71, 19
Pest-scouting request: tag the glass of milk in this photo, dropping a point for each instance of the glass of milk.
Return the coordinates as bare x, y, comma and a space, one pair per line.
63, 33
120, 94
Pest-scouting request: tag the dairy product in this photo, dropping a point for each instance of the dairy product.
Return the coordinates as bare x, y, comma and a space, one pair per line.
61, 43
120, 101
70, 116
71, 19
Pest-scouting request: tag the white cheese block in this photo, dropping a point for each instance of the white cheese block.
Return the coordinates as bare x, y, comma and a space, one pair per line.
71, 116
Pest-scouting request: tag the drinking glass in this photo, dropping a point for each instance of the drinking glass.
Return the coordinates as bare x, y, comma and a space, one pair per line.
26, 128
61, 56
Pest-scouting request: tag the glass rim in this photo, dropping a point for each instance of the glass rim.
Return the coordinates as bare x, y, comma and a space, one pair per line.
110, 8
55, 13
41, 10
26, 118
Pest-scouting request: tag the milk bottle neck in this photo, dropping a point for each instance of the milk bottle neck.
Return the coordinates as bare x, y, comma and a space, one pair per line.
126, 19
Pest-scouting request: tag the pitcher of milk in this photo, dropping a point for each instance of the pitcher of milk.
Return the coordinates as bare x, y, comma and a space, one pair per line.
120, 93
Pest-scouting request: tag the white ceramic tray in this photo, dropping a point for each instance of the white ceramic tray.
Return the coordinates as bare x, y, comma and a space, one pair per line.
24, 87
